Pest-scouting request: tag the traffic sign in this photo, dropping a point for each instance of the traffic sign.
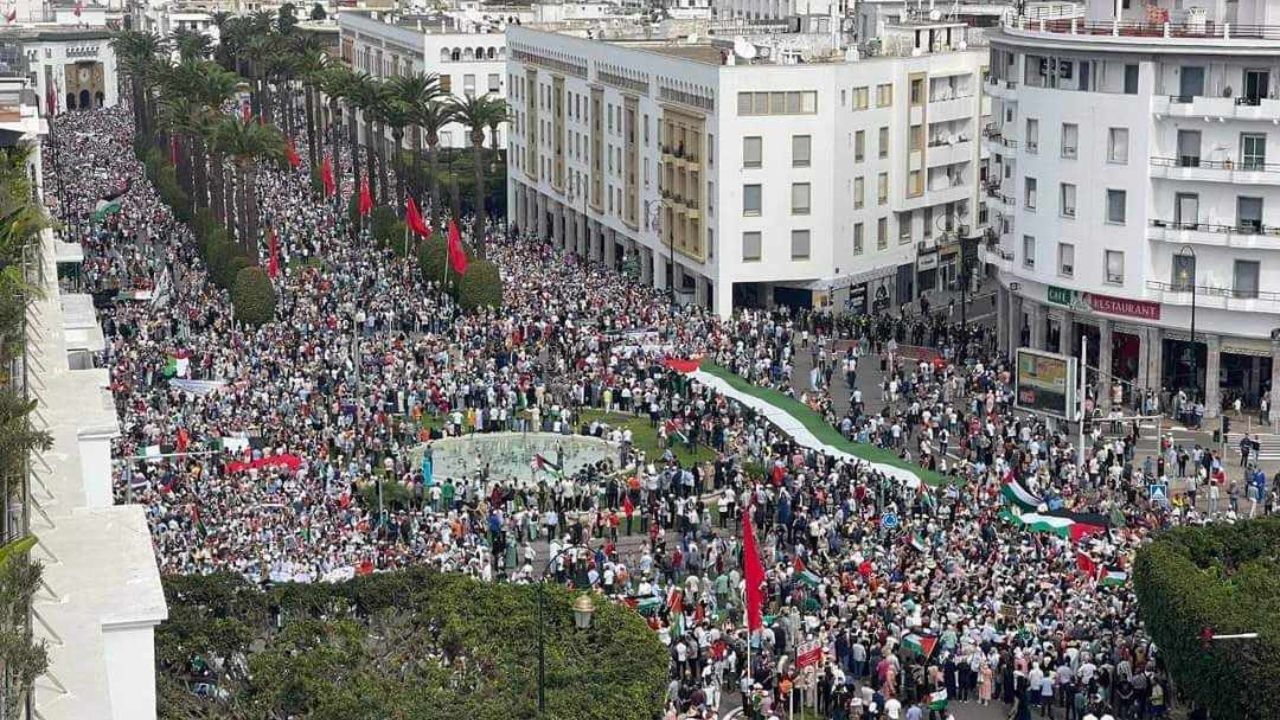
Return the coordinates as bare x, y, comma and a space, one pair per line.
889, 521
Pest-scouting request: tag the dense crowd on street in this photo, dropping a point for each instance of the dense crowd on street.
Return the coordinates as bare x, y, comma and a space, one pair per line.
955, 603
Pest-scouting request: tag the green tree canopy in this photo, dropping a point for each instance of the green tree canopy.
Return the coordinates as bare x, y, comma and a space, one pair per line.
411, 644
1224, 579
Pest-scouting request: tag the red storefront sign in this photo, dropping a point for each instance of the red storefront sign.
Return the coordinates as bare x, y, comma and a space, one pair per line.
1122, 306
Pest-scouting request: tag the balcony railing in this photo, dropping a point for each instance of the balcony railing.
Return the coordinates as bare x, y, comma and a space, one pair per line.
1248, 165
1245, 228
1213, 291
1181, 31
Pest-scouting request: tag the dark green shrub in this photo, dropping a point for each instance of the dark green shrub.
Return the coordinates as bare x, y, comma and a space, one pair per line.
432, 259
220, 252
253, 297
481, 287
382, 224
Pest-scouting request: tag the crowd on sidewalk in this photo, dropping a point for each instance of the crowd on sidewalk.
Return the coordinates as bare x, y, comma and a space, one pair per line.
965, 599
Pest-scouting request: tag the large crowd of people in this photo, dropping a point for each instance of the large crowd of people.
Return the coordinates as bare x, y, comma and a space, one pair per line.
954, 603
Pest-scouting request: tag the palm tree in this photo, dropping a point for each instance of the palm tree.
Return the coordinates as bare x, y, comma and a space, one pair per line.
416, 91
247, 144
137, 53
310, 66
216, 86
338, 83
432, 116
478, 112
191, 44
397, 114
364, 94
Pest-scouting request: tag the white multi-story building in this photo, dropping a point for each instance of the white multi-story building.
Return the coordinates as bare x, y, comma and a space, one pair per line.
736, 180
1133, 191
467, 61
75, 67
100, 598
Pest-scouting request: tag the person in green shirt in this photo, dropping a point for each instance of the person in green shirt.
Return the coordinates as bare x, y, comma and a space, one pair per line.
446, 494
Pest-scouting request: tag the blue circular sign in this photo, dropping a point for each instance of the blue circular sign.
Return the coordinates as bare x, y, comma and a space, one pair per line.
889, 521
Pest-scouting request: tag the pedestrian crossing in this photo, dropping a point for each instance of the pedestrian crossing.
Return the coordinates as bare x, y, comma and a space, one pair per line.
1269, 442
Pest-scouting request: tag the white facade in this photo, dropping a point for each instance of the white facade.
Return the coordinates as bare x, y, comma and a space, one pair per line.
1118, 157
466, 62
100, 599
863, 169
76, 67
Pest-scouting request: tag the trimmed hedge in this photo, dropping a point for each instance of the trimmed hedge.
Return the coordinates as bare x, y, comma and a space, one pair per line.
413, 643
433, 256
481, 287
253, 297
382, 224
1225, 578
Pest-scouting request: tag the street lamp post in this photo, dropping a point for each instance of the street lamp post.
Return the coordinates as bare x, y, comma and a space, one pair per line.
582, 610
655, 220
1187, 280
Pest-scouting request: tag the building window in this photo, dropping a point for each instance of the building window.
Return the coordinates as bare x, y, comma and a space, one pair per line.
916, 136
859, 145
904, 227
1253, 151
801, 146
860, 101
884, 142
1246, 278
1070, 139
799, 244
800, 198
1115, 266
1068, 200
1029, 195
1066, 259
1118, 146
495, 83
882, 233
751, 200
750, 247
1184, 272
857, 238
469, 85
884, 95
752, 151
778, 103
915, 183
917, 92
882, 189
1028, 252
1249, 214
446, 84
1130, 79
1033, 136
1116, 209
859, 192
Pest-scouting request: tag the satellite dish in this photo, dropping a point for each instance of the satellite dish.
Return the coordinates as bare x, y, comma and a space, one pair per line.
744, 49
765, 51
935, 15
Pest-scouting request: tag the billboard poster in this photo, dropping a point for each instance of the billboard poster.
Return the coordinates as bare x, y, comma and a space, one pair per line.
1045, 383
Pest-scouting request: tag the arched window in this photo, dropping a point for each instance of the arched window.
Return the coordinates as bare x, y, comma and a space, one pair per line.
469, 54
456, 56
492, 53
445, 55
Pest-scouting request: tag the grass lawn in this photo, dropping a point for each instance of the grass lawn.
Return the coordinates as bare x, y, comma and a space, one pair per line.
644, 437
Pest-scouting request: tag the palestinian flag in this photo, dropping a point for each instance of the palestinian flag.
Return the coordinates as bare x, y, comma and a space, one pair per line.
648, 605
808, 578
178, 363
918, 543
1017, 495
103, 208
1062, 524
938, 700
541, 464
1114, 576
921, 645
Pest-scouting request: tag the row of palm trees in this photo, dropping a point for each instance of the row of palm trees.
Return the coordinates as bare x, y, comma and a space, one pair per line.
343, 111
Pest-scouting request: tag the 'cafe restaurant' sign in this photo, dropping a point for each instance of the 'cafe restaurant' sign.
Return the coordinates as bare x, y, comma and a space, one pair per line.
1107, 304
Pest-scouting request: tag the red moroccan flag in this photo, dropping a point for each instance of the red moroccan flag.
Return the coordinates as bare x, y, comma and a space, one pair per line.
414, 220
628, 507
326, 176
753, 573
273, 261
457, 256
291, 152
184, 440
366, 198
